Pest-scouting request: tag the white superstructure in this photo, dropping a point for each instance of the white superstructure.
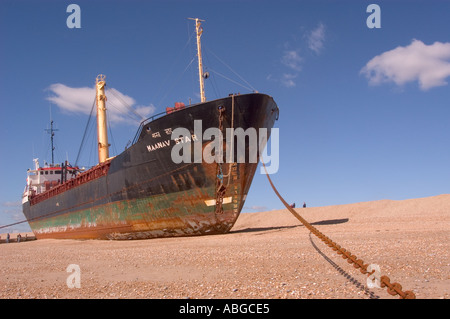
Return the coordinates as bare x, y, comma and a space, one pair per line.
41, 179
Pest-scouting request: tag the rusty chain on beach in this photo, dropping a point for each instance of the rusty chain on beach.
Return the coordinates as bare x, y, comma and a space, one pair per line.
393, 289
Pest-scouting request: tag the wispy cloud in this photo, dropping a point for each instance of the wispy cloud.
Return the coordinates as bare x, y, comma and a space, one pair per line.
292, 59
80, 100
287, 79
316, 38
427, 64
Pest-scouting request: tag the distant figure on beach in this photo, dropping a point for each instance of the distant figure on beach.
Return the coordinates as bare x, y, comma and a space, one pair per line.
304, 205
7, 238
293, 205
18, 238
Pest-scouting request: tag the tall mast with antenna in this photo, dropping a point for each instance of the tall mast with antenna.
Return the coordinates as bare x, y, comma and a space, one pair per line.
199, 31
51, 131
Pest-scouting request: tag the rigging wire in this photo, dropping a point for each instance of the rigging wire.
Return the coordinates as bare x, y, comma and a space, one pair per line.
85, 132
177, 80
129, 107
113, 143
229, 67
121, 110
16, 223
213, 79
89, 127
227, 78
163, 83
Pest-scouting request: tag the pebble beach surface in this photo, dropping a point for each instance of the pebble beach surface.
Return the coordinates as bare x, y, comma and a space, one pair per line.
266, 255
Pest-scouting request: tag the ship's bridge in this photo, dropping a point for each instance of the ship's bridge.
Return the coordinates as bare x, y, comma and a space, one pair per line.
41, 179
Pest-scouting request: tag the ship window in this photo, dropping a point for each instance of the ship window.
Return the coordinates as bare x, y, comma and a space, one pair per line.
51, 172
46, 172
57, 172
42, 172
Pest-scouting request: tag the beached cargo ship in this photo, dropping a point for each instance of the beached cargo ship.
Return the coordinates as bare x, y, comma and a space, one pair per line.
147, 191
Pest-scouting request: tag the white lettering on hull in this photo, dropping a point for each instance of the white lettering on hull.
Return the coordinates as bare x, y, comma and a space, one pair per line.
158, 145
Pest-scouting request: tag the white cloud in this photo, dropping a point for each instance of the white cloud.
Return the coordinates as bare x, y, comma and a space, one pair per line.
287, 79
292, 59
145, 111
80, 100
427, 64
76, 100
316, 38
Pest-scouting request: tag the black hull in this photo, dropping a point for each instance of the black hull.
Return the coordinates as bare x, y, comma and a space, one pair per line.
145, 194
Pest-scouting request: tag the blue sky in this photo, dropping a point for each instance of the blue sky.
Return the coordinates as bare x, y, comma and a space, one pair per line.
364, 112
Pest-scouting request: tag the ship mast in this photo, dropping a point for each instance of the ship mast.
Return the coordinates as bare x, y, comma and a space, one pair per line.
198, 31
51, 131
102, 133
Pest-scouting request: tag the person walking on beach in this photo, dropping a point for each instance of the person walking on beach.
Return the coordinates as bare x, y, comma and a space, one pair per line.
7, 238
304, 205
18, 238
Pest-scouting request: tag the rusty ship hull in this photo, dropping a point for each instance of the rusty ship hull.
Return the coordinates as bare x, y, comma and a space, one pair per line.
143, 193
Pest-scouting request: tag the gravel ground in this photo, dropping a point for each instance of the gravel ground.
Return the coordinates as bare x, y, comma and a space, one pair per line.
267, 255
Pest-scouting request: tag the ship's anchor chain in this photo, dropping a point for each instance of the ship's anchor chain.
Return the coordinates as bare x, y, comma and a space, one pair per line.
393, 289
220, 187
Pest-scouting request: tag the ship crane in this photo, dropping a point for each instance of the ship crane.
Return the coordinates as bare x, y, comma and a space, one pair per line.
102, 131
201, 75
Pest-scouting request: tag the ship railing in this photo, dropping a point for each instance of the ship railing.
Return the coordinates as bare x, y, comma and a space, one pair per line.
87, 176
145, 122
151, 119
